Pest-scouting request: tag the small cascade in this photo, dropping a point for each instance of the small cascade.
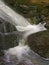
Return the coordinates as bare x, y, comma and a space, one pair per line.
20, 54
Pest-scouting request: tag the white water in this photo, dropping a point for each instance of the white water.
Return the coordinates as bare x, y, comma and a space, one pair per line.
21, 53
24, 55
9, 15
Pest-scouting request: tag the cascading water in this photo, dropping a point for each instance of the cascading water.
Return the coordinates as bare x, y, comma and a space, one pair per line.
21, 54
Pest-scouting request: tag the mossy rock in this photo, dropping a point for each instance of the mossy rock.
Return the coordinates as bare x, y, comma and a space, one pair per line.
39, 43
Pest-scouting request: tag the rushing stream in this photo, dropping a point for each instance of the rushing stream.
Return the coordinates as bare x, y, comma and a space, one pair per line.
20, 54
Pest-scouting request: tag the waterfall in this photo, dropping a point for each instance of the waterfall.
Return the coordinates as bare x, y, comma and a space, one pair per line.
11, 16
21, 54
